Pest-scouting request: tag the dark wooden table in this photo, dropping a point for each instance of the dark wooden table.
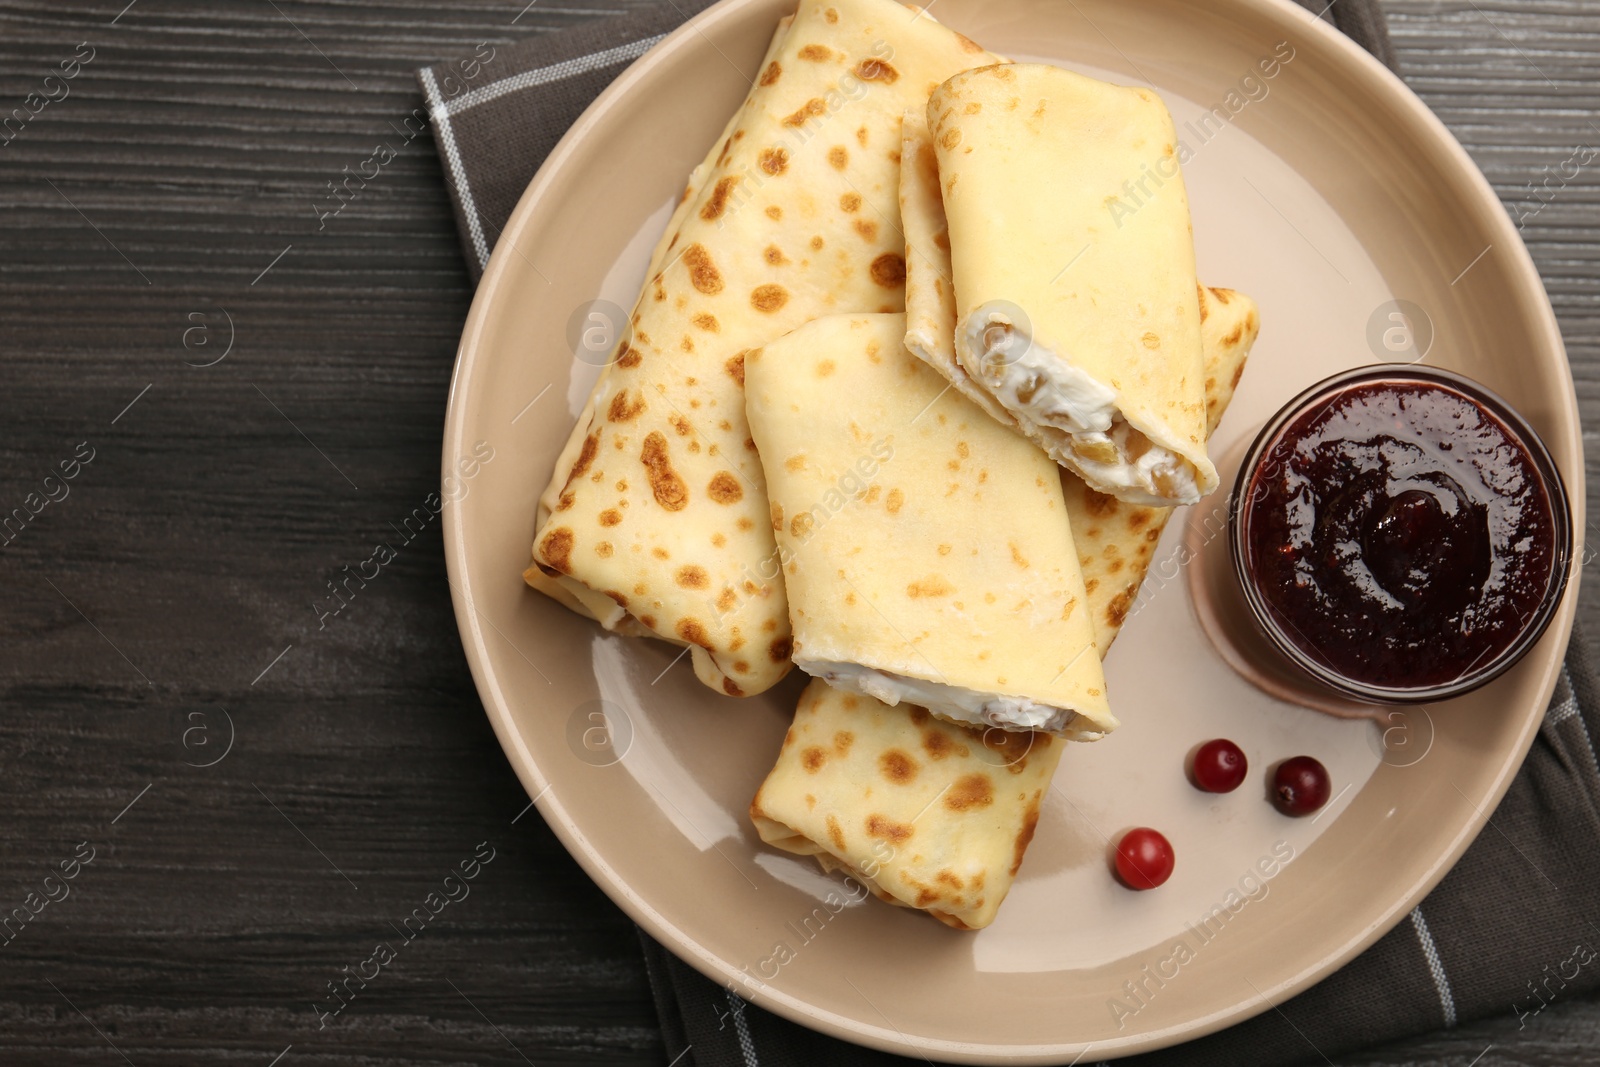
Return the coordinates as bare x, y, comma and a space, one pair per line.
268, 794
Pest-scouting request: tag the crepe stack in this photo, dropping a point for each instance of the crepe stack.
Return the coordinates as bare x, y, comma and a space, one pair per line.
936, 816
926, 549
1073, 272
659, 504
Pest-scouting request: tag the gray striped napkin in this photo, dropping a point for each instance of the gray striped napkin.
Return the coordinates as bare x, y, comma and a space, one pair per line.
1511, 929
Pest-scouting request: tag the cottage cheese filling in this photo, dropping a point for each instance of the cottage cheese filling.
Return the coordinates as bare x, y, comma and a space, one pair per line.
954, 702
1070, 414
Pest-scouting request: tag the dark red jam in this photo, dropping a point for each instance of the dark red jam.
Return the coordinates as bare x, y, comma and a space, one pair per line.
1399, 534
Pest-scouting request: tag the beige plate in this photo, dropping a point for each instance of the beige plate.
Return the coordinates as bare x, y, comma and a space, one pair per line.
1331, 191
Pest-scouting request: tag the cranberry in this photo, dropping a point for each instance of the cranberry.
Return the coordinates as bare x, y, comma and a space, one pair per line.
1219, 766
1144, 858
1300, 786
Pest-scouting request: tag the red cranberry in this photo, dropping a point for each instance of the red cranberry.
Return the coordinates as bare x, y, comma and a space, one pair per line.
1300, 786
1144, 858
1219, 766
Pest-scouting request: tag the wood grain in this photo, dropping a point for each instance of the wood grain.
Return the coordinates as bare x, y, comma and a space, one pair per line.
141, 214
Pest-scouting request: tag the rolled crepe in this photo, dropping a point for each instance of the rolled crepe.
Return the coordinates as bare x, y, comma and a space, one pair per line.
1073, 270
926, 549
925, 813
569, 592
931, 815
1115, 540
658, 504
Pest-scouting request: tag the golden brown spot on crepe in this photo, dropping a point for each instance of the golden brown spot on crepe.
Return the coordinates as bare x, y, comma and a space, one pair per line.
556, 548
780, 649
876, 70
1238, 372
1099, 503
1117, 610
950, 138
1150, 340
735, 367
660, 553
949, 878
772, 73
768, 298
1233, 338
885, 828
610, 517
1013, 748
896, 499
591, 445
897, 766
973, 108
731, 687
861, 136
816, 244
873, 492
693, 577
795, 463
1222, 295
774, 256
744, 523
1030, 822
718, 200
603, 550
627, 356
919, 715
566, 501
925, 897
816, 53
718, 540
648, 620
724, 488
931, 586
621, 600
1017, 557
687, 344
669, 489
838, 158
708, 322
811, 108
889, 270
813, 758
938, 744
1137, 517
850, 599
811, 802
725, 601
774, 161
836, 833
831, 15
681, 424
1116, 565
849, 202
867, 229
774, 211
970, 791
694, 633
703, 274
842, 740
825, 368
801, 524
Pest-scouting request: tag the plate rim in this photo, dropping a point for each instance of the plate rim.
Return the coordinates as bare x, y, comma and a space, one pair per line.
1361, 66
